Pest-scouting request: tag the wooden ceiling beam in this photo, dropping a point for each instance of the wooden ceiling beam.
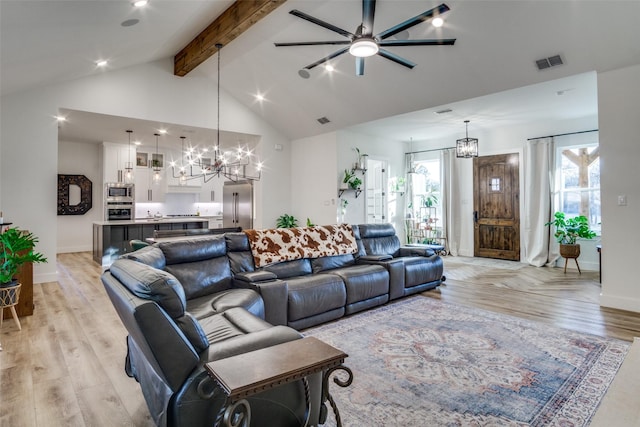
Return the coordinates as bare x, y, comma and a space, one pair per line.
237, 19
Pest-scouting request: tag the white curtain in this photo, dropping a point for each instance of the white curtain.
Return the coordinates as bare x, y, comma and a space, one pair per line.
450, 190
539, 194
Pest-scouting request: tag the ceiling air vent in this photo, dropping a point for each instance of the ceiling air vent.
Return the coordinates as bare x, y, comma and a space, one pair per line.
323, 120
445, 111
549, 62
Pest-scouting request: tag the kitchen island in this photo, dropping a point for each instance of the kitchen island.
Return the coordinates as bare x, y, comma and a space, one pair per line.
111, 238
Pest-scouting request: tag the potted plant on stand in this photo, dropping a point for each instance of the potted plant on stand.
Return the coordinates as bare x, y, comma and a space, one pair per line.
16, 249
568, 230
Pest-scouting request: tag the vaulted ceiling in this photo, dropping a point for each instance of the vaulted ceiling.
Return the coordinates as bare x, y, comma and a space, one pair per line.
498, 42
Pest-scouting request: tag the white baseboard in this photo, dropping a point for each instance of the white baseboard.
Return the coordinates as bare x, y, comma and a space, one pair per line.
45, 277
621, 303
71, 249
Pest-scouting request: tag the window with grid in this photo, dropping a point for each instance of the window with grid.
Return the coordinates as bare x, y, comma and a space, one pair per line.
579, 179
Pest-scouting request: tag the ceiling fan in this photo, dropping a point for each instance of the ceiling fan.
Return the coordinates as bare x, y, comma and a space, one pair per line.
364, 43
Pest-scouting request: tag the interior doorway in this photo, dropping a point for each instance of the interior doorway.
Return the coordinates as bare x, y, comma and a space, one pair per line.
496, 206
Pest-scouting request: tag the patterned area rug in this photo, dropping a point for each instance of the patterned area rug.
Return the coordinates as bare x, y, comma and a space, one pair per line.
422, 362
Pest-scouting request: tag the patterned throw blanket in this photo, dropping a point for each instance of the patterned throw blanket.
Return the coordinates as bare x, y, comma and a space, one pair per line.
275, 245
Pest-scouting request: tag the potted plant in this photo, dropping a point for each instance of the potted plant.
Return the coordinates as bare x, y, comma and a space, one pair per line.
355, 183
362, 160
16, 249
286, 221
348, 176
568, 230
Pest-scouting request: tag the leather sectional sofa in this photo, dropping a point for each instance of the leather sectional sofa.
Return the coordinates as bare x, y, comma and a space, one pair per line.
185, 303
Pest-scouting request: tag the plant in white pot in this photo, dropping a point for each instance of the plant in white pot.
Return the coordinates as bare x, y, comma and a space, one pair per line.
16, 249
568, 230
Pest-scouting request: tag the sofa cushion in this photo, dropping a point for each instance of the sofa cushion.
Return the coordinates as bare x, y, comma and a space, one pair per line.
152, 284
192, 250
330, 262
419, 270
363, 282
284, 270
239, 253
203, 277
219, 302
310, 295
150, 255
379, 239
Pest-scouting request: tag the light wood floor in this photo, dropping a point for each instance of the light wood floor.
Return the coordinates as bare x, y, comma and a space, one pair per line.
66, 366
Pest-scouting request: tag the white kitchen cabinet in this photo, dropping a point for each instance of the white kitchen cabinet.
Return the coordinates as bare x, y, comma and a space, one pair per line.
212, 191
146, 190
114, 159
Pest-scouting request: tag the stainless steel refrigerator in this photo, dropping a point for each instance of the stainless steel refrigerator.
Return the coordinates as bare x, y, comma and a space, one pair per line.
237, 204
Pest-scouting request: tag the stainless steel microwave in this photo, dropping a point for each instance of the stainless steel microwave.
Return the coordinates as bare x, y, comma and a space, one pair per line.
118, 191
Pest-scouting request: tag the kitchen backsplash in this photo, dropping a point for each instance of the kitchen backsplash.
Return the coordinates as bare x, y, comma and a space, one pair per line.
179, 204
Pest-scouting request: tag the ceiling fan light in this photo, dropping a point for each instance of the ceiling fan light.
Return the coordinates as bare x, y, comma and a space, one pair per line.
363, 47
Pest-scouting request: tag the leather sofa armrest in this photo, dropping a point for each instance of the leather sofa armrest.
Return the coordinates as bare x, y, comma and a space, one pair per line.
395, 267
376, 258
255, 276
416, 251
274, 293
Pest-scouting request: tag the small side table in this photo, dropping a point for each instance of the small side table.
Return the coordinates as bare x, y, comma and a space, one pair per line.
247, 374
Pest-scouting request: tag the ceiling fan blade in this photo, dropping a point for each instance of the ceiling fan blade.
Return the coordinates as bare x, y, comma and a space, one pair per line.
435, 42
413, 21
328, 42
320, 22
327, 58
395, 58
359, 66
368, 12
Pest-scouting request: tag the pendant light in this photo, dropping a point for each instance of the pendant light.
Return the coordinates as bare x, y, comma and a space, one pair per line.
128, 166
467, 147
239, 165
156, 164
183, 174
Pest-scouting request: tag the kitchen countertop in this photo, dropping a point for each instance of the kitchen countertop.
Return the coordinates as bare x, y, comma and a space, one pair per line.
164, 220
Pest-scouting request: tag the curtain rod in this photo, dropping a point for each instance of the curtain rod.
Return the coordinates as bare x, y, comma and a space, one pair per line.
428, 151
564, 134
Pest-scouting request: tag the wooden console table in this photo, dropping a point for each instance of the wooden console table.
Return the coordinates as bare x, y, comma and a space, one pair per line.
250, 373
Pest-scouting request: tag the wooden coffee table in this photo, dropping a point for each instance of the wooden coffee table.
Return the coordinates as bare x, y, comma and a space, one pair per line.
256, 371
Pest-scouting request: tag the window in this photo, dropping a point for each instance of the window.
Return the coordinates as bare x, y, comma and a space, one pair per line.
424, 211
579, 179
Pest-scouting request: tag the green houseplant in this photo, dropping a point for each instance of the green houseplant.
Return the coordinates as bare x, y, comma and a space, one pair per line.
286, 221
16, 249
568, 230
355, 183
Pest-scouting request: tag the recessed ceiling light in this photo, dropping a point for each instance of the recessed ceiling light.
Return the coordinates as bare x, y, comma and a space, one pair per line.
259, 97
101, 63
61, 118
139, 3
137, 142
162, 131
437, 22
329, 67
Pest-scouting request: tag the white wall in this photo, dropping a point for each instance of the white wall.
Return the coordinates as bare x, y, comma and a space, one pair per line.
29, 146
75, 231
619, 111
313, 186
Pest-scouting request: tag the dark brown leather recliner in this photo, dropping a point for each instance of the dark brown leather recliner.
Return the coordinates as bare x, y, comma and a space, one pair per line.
412, 269
181, 312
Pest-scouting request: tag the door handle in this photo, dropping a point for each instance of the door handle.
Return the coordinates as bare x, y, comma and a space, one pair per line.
475, 216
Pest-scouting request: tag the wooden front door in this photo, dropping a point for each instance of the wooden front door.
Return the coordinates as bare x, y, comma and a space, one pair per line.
496, 205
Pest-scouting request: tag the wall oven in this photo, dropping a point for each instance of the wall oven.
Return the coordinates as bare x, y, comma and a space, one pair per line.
119, 199
116, 212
